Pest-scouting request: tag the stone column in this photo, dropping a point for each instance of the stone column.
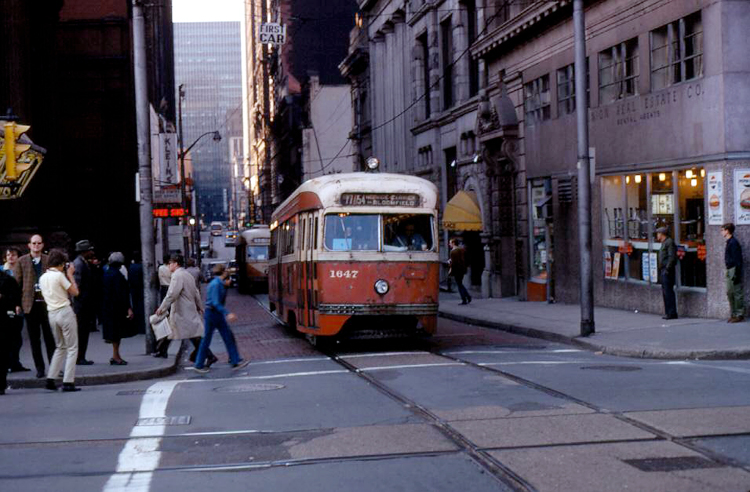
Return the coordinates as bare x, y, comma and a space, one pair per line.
460, 67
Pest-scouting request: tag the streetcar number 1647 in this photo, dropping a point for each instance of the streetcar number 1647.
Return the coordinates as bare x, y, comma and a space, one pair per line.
344, 273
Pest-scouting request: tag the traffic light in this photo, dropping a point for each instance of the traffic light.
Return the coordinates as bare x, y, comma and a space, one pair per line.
13, 149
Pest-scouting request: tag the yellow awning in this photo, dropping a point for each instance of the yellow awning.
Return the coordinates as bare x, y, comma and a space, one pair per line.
462, 213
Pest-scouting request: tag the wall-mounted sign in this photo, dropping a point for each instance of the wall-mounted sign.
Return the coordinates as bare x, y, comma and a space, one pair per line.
715, 193
272, 33
742, 196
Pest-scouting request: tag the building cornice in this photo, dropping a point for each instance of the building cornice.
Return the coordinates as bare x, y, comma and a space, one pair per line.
520, 24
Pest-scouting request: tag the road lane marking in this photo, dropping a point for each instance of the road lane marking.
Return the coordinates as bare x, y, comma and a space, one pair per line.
282, 361
140, 455
532, 362
383, 354
411, 366
490, 352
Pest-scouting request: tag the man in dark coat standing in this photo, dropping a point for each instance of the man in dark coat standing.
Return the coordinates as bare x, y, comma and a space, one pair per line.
667, 264
733, 263
84, 304
458, 268
10, 309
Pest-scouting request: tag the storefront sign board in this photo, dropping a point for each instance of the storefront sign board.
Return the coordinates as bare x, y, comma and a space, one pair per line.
654, 267
715, 193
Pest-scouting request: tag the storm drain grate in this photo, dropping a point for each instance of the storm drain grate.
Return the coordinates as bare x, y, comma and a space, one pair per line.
611, 368
139, 392
672, 464
181, 420
248, 388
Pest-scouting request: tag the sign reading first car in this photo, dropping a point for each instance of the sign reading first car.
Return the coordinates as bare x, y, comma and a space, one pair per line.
272, 33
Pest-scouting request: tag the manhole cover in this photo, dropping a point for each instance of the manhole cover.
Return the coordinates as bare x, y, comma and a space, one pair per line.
248, 388
181, 420
672, 464
612, 368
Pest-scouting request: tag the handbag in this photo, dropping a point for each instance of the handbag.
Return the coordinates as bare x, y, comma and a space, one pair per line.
161, 328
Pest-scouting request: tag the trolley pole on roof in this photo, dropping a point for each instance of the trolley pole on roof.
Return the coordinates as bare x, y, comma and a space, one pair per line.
144, 170
584, 173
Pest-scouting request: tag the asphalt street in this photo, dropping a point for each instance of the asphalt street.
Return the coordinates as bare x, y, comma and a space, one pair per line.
469, 409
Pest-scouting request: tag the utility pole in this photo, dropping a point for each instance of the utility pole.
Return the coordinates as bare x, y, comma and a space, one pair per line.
584, 165
183, 185
144, 169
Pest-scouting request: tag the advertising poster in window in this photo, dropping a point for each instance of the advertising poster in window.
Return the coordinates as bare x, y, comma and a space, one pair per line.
715, 187
742, 196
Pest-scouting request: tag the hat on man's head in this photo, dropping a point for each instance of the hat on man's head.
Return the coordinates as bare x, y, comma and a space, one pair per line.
662, 230
83, 245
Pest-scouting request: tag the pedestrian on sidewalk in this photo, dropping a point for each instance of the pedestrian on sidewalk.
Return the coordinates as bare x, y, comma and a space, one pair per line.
217, 318
667, 261
84, 305
192, 268
27, 273
165, 275
57, 284
733, 263
10, 310
458, 268
117, 313
14, 335
183, 301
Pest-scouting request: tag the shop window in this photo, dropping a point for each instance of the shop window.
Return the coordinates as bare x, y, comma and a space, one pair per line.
614, 227
677, 52
618, 71
691, 244
541, 210
537, 100
635, 205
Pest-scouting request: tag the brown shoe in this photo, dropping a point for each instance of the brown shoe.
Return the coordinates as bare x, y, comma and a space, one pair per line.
735, 320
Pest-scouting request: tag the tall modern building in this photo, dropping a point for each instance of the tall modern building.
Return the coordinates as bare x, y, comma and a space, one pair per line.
208, 64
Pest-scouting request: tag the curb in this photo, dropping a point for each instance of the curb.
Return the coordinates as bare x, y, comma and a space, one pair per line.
636, 353
110, 378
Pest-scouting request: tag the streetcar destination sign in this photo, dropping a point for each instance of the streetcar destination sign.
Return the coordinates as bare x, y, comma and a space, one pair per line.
380, 199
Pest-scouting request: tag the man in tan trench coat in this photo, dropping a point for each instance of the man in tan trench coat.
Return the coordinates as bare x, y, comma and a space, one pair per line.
185, 310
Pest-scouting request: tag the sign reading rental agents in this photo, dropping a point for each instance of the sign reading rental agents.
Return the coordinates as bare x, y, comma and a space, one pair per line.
272, 33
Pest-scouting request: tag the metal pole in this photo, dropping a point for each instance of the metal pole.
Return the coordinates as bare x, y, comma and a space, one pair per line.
144, 169
183, 185
584, 184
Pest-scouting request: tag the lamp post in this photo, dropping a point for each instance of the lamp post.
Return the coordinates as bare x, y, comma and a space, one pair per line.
183, 153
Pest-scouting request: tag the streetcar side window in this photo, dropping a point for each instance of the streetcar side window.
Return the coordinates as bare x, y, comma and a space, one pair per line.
274, 242
407, 232
347, 232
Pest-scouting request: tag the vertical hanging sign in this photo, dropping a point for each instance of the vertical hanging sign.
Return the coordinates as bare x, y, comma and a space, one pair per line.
715, 191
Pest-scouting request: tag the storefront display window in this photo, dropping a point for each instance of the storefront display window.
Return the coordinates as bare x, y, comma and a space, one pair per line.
540, 211
691, 246
635, 205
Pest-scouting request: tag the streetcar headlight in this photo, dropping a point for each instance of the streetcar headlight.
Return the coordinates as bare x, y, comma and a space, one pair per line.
372, 163
381, 287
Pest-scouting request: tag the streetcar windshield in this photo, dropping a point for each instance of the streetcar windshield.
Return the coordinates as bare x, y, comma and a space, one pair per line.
360, 232
348, 232
257, 253
407, 232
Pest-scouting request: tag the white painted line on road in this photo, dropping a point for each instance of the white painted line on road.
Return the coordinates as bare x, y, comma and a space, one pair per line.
720, 368
383, 354
271, 376
489, 352
532, 362
282, 361
140, 456
412, 366
217, 433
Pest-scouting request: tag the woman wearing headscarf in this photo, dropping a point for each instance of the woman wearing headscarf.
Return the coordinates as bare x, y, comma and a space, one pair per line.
117, 313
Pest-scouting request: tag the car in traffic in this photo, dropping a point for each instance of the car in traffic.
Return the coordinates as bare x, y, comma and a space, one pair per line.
216, 228
230, 238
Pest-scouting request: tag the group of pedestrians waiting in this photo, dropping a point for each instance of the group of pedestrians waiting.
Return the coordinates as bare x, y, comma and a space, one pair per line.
62, 302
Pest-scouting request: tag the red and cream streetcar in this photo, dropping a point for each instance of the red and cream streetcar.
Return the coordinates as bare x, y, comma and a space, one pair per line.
356, 255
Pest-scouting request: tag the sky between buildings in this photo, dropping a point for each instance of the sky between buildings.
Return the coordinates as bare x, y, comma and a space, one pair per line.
207, 10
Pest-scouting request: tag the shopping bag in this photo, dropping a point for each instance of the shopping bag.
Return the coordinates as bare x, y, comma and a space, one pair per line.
161, 329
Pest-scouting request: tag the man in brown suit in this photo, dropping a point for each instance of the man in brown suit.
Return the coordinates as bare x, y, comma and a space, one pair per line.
28, 270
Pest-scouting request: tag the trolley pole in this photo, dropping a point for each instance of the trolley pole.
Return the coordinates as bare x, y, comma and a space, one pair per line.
144, 170
584, 173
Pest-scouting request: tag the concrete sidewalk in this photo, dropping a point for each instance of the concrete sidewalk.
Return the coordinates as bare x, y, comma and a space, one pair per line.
133, 350
618, 332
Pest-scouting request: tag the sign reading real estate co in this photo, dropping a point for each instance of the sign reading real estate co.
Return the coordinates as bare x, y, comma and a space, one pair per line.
715, 198
272, 33
742, 196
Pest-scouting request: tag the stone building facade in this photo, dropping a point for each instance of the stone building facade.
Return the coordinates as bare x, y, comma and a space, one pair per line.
479, 97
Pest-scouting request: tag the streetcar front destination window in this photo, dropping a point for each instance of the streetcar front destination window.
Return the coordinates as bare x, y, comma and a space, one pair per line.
360, 232
257, 253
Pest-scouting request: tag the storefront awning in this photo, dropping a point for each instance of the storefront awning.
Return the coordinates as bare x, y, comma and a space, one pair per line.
462, 213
